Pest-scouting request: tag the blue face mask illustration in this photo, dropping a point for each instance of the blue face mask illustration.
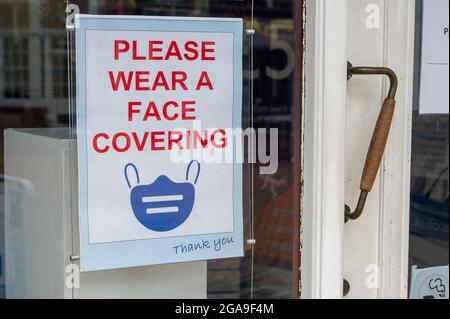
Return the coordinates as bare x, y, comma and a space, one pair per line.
162, 205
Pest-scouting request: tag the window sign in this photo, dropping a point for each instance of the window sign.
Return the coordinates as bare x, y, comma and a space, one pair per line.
154, 95
434, 74
429, 283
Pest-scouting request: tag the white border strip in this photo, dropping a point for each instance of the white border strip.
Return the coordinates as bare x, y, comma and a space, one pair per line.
324, 147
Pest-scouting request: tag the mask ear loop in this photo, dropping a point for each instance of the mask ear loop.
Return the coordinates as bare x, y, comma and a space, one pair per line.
126, 174
189, 168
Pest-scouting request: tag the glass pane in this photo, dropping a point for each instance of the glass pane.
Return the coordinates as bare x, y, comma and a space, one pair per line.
429, 214
429, 244
22, 104
34, 93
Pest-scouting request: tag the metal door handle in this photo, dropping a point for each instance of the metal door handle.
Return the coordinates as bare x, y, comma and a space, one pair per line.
379, 136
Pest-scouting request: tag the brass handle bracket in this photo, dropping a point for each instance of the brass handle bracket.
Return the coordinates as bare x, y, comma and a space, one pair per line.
368, 70
379, 136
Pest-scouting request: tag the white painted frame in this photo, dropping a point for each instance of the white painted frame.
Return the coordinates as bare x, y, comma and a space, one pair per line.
395, 185
325, 93
324, 145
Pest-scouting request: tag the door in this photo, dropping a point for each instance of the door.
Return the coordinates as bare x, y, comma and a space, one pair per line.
36, 87
366, 257
296, 89
380, 270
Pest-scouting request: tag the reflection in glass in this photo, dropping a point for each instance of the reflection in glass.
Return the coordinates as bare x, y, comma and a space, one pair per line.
429, 245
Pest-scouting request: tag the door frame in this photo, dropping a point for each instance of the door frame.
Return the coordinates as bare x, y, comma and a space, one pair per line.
396, 168
323, 146
324, 138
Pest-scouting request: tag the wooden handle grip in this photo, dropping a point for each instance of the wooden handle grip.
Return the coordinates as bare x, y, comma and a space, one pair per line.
377, 145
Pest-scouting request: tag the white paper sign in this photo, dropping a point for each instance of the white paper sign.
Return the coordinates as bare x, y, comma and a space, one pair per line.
434, 64
152, 90
429, 283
